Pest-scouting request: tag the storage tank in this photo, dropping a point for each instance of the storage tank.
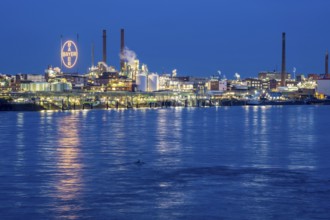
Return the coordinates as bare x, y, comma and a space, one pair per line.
55, 87
61, 87
153, 82
41, 86
141, 82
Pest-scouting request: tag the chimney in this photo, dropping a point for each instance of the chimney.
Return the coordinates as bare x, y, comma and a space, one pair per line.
104, 46
93, 55
122, 48
326, 63
283, 73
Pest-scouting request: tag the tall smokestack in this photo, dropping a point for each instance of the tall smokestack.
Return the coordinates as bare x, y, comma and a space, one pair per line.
104, 46
326, 63
93, 55
283, 73
122, 48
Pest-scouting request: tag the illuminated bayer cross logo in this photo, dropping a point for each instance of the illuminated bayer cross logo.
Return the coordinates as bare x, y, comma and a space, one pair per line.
69, 54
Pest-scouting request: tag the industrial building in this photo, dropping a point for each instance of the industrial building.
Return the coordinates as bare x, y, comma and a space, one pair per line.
134, 76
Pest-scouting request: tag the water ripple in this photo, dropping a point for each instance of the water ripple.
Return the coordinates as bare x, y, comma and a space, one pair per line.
195, 163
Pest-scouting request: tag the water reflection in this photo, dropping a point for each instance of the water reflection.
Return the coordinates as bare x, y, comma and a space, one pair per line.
69, 167
169, 146
264, 141
257, 129
169, 131
116, 144
302, 139
161, 132
20, 143
276, 130
197, 159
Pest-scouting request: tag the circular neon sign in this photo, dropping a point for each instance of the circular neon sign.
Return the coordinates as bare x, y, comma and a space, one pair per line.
69, 54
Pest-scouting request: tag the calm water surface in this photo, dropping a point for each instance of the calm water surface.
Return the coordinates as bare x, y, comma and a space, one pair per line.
196, 163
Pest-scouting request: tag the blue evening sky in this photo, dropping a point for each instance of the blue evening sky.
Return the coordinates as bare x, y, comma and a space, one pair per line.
196, 37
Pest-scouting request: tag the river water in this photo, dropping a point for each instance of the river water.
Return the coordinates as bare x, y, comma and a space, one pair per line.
175, 163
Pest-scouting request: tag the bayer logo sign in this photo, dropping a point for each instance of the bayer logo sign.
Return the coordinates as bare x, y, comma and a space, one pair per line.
69, 54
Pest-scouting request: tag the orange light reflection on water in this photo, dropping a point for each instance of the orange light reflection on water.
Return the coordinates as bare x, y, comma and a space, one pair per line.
69, 167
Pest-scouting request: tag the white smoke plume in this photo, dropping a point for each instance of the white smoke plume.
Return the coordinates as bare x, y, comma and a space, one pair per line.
237, 76
174, 73
219, 72
57, 70
294, 73
128, 56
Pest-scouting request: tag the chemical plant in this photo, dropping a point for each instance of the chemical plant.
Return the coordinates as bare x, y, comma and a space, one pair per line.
134, 86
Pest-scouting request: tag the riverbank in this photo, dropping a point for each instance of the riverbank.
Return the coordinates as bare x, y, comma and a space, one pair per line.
38, 105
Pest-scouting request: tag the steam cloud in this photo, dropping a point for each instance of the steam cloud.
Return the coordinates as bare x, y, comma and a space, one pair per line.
128, 56
174, 73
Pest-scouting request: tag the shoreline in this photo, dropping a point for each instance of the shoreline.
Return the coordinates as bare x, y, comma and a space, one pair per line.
15, 107
129, 100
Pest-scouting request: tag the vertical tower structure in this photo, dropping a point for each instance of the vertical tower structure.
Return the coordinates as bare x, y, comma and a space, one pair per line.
93, 55
122, 48
283, 73
326, 63
104, 46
